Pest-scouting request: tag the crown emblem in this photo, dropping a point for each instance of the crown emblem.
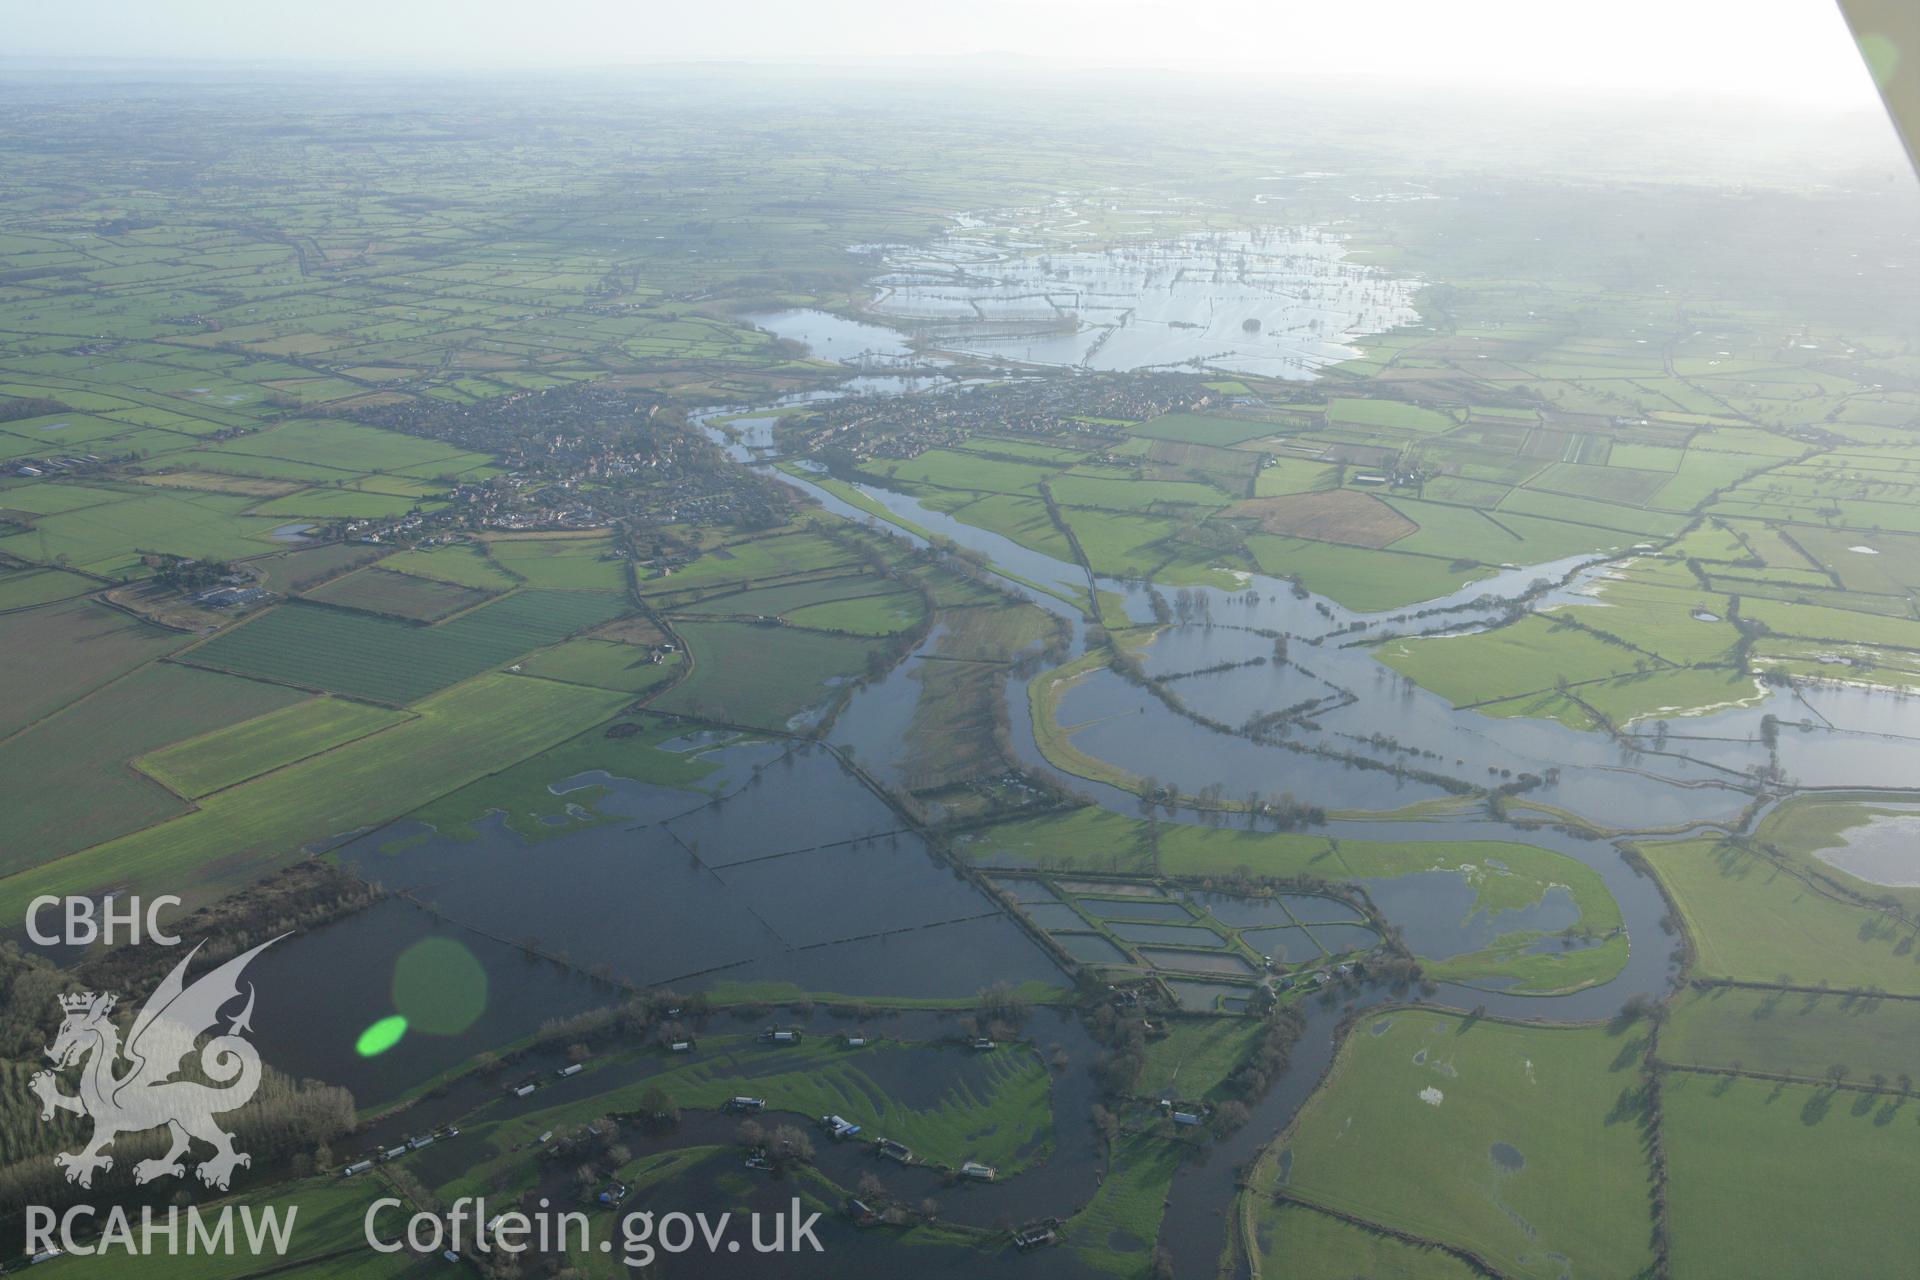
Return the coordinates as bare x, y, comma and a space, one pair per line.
82, 1001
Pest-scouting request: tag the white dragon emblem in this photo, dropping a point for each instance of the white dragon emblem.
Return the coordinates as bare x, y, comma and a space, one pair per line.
166, 1031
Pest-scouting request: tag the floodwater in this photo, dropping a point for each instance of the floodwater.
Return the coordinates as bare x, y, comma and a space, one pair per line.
1885, 851
795, 872
1278, 301
831, 337
1440, 916
1699, 770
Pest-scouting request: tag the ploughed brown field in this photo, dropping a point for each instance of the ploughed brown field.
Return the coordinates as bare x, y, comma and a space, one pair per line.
1333, 515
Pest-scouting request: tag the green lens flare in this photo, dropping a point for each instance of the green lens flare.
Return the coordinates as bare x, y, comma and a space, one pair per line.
1882, 55
439, 986
381, 1036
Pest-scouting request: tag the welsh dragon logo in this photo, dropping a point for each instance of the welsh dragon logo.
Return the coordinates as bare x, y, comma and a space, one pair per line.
144, 1095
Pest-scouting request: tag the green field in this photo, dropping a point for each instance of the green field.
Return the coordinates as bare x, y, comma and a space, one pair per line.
1403, 1134
1117, 1228
396, 595
326, 1215
750, 560
110, 539
84, 750
1792, 1033
1194, 1058
762, 676
1369, 581
466, 732
1293, 1240
561, 563
466, 564
1776, 1182
1753, 918
1192, 428
59, 652
387, 660
605, 664
875, 615
198, 766
1488, 666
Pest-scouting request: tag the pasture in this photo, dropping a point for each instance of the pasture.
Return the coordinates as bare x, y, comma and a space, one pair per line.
1361, 579
236, 835
1295, 1240
199, 765
761, 676
1487, 666
1504, 1141
1753, 918
1769, 1180
464, 564
1792, 1033
387, 660
604, 664
561, 563
84, 748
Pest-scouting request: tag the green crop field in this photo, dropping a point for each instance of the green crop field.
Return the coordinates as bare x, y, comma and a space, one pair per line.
751, 560
337, 504
397, 595
392, 661
781, 600
1444, 1096
22, 589
109, 539
207, 763
1388, 413
327, 1217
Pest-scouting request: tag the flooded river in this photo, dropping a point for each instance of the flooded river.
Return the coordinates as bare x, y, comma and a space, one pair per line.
787, 868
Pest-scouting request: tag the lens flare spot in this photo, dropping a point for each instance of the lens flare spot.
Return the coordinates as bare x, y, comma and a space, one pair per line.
439, 986
1882, 55
381, 1036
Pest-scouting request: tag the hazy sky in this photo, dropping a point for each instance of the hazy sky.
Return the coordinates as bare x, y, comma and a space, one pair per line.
1793, 50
